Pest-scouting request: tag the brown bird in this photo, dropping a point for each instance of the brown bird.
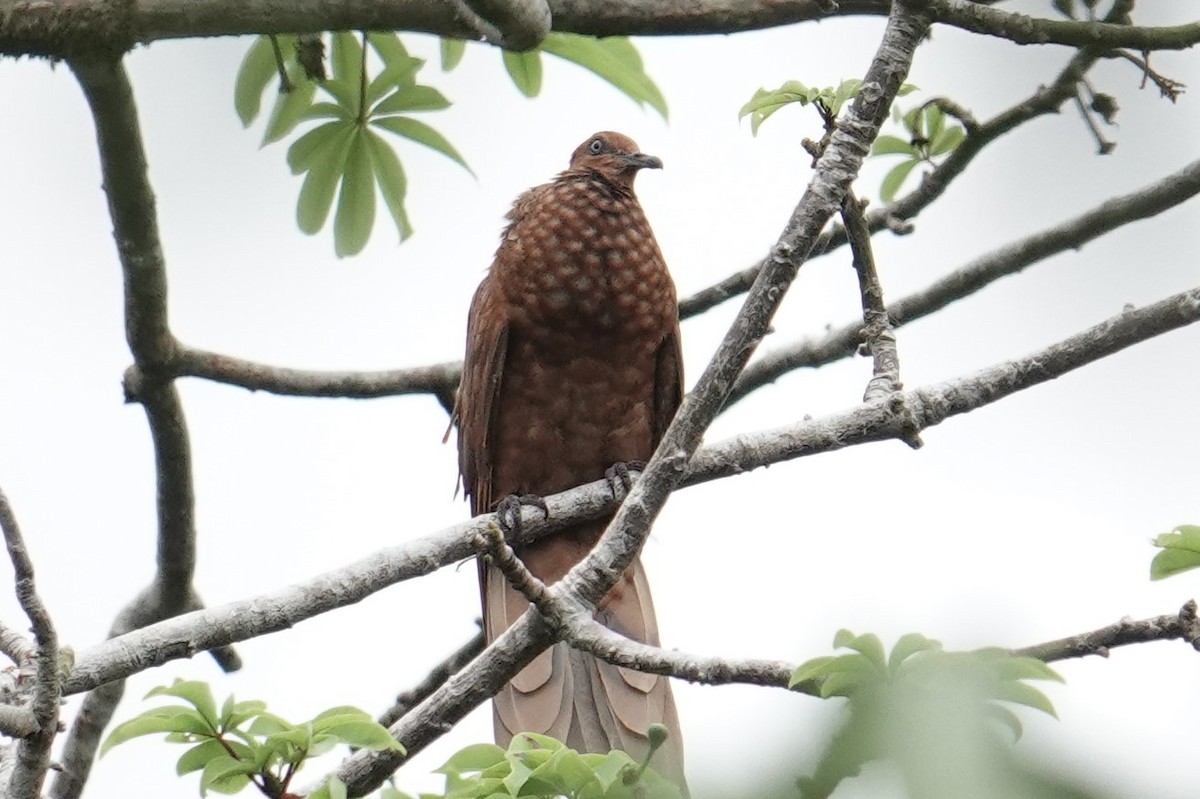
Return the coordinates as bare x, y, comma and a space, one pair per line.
573, 365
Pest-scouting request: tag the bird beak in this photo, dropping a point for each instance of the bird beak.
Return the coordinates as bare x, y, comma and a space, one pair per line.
642, 161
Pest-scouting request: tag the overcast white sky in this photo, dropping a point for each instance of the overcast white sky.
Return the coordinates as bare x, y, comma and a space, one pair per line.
1026, 521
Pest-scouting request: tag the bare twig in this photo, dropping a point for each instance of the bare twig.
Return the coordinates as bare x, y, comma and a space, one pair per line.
33, 752
440, 673
1182, 626
842, 342
440, 379
879, 339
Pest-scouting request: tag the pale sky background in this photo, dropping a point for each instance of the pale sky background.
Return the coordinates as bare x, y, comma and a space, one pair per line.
1026, 521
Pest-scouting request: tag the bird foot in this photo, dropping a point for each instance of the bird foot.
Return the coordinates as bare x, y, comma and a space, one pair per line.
508, 511
618, 473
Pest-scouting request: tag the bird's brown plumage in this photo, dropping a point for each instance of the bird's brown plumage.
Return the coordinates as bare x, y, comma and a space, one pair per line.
572, 365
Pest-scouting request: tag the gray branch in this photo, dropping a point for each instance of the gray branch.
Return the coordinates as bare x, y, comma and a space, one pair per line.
592, 578
61, 29
33, 751
189, 634
131, 206
842, 342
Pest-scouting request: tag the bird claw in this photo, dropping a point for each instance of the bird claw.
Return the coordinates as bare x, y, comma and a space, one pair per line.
619, 473
508, 511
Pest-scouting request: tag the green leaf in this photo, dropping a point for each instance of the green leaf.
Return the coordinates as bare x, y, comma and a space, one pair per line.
935, 121
525, 69
316, 194
810, 670
1012, 667
364, 734
338, 714
305, 151
412, 98
870, 646
356, 202
614, 59
1005, 717
337, 788
225, 775
346, 58
842, 638
476, 757
452, 53
1181, 552
346, 95
391, 49
613, 768
392, 183
844, 92
326, 110
844, 683
889, 145
947, 140
397, 76
255, 73
268, 724
894, 179
204, 753
766, 102
421, 133
195, 692
909, 645
289, 107
1022, 694
185, 720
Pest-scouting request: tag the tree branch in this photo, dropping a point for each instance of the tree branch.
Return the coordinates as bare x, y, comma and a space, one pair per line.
591, 579
131, 206
185, 635
1010, 259
1182, 625
439, 379
70, 29
435, 679
895, 215
33, 751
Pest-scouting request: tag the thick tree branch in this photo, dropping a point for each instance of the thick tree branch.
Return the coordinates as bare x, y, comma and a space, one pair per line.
186, 635
131, 206
68, 28
33, 751
842, 342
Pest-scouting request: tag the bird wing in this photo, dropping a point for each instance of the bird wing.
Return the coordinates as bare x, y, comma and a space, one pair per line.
483, 370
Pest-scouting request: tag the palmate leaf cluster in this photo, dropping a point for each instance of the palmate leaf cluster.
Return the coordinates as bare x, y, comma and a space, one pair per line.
930, 137
367, 103
243, 744
540, 767
937, 718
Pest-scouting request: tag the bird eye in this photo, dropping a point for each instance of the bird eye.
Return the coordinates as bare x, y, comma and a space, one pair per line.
596, 147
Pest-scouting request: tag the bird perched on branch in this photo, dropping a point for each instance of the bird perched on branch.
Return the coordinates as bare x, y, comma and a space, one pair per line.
573, 365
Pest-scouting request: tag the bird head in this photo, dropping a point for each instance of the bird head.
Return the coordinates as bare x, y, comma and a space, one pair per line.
612, 156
